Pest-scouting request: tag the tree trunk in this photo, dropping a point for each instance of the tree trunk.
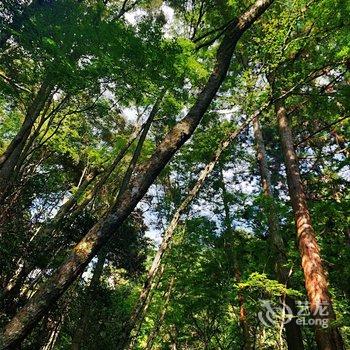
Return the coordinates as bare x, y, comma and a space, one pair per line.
169, 233
234, 268
316, 282
155, 330
80, 331
129, 338
137, 152
95, 239
11, 156
71, 208
293, 331
11, 293
54, 334
243, 322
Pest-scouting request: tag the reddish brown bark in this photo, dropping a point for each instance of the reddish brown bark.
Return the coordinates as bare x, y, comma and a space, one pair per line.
293, 331
243, 321
316, 282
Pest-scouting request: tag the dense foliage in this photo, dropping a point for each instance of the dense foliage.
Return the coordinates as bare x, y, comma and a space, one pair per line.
88, 92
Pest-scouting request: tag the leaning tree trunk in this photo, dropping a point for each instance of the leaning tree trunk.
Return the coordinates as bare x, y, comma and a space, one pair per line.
168, 236
70, 208
55, 332
169, 233
159, 322
293, 331
316, 282
10, 158
128, 341
145, 175
139, 146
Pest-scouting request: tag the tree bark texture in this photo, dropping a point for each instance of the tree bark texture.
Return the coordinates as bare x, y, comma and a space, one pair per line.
293, 331
316, 282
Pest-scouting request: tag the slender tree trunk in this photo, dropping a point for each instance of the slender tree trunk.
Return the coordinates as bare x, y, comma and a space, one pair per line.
169, 233
11, 293
316, 282
20, 164
81, 329
131, 337
234, 268
247, 336
54, 334
155, 330
71, 208
13, 153
137, 153
293, 331
17, 144
95, 239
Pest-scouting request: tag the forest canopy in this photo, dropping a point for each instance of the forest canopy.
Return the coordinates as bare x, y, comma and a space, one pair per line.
175, 174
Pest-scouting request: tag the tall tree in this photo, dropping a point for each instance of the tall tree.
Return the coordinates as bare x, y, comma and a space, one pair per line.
24, 321
316, 282
293, 331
